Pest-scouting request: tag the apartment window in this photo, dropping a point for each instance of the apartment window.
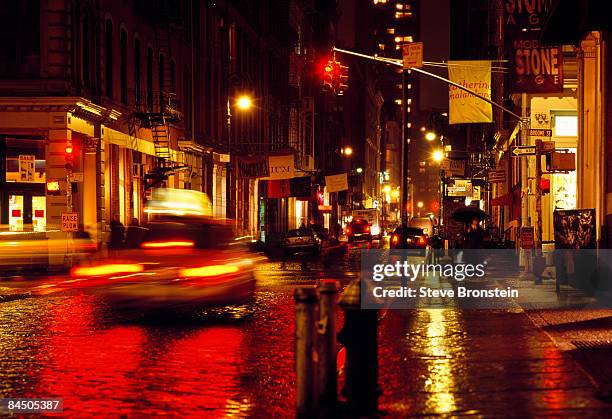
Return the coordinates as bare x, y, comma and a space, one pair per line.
20, 34
160, 73
566, 125
108, 58
85, 50
123, 68
150, 78
173, 76
137, 71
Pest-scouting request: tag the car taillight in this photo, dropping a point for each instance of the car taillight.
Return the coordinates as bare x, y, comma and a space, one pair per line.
348, 230
208, 271
166, 244
422, 240
395, 239
367, 229
110, 269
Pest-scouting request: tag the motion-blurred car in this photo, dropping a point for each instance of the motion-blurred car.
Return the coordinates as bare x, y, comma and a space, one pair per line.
359, 229
408, 238
180, 262
302, 240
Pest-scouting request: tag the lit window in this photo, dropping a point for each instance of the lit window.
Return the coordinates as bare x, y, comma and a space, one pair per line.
381, 46
391, 31
566, 126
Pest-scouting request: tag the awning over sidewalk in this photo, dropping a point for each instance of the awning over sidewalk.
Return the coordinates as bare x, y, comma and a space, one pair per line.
502, 200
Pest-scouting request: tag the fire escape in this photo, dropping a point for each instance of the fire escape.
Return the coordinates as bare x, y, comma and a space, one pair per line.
157, 110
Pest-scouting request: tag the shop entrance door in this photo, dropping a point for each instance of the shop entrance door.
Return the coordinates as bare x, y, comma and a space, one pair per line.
27, 213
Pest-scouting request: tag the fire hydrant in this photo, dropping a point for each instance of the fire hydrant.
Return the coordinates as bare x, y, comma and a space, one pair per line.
359, 336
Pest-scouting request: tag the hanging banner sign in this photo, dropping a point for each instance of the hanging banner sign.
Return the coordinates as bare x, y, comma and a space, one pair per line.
336, 183
535, 68
464, 107
279, 188
252, 167
461, 187
281, 167
300, 187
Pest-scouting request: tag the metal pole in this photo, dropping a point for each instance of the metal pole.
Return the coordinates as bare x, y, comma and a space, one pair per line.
538, 203
228, 181
305, 307
523, 253
328, 379
404, 148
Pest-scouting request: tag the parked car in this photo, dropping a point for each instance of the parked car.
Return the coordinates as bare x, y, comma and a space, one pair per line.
359, 229
302, 240
427, 224
408, 238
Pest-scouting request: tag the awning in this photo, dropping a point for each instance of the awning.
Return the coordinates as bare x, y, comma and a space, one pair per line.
502, 200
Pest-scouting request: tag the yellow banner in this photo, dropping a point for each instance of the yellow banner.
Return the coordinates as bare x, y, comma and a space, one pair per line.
465, 108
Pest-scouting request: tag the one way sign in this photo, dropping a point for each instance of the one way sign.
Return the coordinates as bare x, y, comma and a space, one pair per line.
529, 150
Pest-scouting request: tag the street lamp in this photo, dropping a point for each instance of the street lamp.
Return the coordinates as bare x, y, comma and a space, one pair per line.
244, 103
347, 151
437, 156
359, 170
430, 136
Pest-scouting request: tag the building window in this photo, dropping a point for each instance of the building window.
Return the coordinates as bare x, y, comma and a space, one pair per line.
20, 34
123, 68
137, 71
108, 58
85, 50
566, 126
160, 73
150, 78
172, 76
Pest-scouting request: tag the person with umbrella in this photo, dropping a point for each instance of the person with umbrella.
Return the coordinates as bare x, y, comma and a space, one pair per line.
473, 236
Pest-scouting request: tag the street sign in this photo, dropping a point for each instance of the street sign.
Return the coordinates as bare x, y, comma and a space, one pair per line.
547, 146
454, 167
70, 221
529, 150
527, 237
496, 176
413, 55
533, 132
76, 177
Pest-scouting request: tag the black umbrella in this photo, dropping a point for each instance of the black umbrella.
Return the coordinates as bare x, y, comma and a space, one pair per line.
467, 214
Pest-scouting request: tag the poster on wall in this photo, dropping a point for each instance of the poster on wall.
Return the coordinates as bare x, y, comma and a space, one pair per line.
575, 229
465, 108
336, 183
535, 68
26, 168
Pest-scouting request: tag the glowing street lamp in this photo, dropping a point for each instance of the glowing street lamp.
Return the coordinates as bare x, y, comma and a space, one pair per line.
359, 170
437, 156
347, 151
430, 136
244, 103
420, 204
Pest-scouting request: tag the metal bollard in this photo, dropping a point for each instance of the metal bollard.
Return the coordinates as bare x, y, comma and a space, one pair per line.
360, 337
328, 380
305, 355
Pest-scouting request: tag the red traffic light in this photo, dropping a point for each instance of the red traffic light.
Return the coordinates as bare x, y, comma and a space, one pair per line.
69, 156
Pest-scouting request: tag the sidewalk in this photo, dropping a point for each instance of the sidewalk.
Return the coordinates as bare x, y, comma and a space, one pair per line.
549, 355
478, 362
